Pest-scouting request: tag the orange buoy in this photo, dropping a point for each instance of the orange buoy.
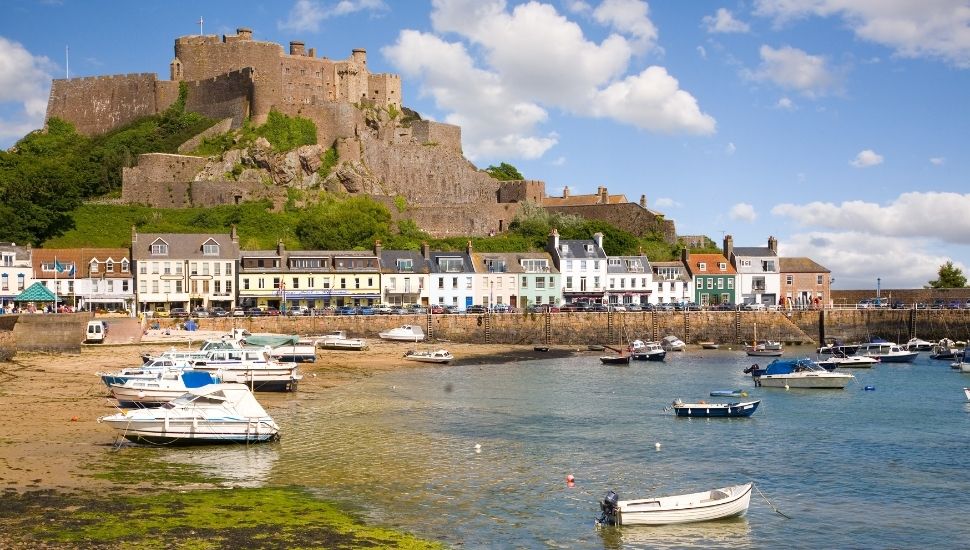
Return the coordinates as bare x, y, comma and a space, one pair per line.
74, 419
570, 478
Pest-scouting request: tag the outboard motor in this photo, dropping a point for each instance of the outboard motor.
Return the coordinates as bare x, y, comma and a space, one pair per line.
608, 508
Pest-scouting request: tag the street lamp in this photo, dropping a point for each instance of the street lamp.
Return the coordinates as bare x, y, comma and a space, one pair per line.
491, 294
878, 280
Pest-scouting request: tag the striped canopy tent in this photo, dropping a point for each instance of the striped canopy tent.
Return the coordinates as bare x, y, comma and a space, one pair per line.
36, 292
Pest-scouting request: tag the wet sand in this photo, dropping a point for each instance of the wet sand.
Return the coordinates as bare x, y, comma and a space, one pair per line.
51, 402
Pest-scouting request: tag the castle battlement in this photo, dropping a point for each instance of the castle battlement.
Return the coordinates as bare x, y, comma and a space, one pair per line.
128, 76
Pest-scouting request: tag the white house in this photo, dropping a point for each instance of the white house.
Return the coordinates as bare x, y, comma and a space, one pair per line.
453, 280
671, 283
581, 265
759, 276
16, 272
406, 276
628, 280
186, 270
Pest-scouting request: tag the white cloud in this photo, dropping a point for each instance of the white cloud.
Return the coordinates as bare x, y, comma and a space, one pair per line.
937, 28
306, 15
742, 211
666, 202
724, 22
931, 215
856, 259
558, 161
786, 104
24, 80
937, 161
702, 52
794, 69
729, 149
506, 68
866, 159
631, 17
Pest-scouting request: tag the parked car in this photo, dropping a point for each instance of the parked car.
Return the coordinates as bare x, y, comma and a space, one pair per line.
939, 303
418, 310
297, 311
218, 312
546, 308
500, 308
452, 309
437, 309
726, 306
618, 307
346, 310
178, 313
599, 308
898, 304
238, 312
754, 306
366, 310
954, 304
692, 306
200, 312
475, 309
399, 310
384, 309
254, 312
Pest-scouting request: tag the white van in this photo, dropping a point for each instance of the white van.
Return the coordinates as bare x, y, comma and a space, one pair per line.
97, 331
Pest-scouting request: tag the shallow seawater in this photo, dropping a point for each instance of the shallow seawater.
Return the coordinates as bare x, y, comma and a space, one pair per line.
852, 468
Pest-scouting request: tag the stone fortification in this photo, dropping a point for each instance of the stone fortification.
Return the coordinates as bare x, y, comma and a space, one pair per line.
220, 127
160, 180
98, 104
628, 216
223, 96
438, 134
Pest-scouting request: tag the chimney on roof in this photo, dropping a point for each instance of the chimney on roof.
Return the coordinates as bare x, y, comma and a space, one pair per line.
598, 238
643, 201
552, 242
233, 235
565, 192
468, 248
244, 33
728, 247
297, 48
684, 255
378, 247
312, 52
603, 196
280, 247
773, 244
426, 250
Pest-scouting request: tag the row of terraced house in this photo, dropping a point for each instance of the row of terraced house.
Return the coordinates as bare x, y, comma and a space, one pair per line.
161, 271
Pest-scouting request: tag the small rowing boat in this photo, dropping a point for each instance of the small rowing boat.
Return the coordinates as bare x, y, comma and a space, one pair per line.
704, 506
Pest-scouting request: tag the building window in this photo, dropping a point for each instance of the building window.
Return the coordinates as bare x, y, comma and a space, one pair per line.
124, 266
789, 280
343, 282
710, 283
720, 284
159, 249
702, 266
260, 283
569, 282
468, 282
94, 266
20, 281
569, 265
109, 267
700, 283
540, 282
295, 282
245, 283
5, 282
722, 266
441, 283
454, 282
819, 279
525, 282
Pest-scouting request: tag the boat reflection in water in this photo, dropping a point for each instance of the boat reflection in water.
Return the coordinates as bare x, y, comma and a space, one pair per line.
726, 533
238, 465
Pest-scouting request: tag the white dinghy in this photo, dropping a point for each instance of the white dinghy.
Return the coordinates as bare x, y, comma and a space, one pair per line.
704, 506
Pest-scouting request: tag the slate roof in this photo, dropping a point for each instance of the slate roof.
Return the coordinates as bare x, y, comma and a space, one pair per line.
800, 265
466, 262
583, 200
36, 292
753, 251
389, 260
22, 253
183, 246
576, 249
683, 271
512, 261
628, 264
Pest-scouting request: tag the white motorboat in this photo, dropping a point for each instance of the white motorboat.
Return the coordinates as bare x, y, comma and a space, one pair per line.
799, 373
436, 356
886, 352
253, 367
406, 333
849, 361
166, 386
672, 343
282, 347
918, 344
945, 349
766, 348
215, 413
709, 345
337, 339
966, 392
147, 370
647, 351
704, 506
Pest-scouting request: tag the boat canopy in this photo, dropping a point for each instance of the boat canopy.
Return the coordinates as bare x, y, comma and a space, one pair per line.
788, 366
272, 340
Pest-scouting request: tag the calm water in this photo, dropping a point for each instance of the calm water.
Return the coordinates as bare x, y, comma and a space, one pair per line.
853, 468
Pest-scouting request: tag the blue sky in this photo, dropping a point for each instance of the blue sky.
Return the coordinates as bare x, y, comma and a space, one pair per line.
840, 127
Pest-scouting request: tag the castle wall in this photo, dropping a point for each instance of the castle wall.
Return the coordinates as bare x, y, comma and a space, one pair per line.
629, 217
193, 143
224, 96
522, 191
160, 179
308, 80
205, 57
385, 89
461, 219
97, 104
212, 193
166, 93
428, 174
333, 120
438, 133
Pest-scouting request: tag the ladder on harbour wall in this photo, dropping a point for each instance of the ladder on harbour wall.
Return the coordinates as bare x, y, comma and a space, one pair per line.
737, 328
912, 323
547, 336
488, 327
655, 332
429, 326
609, 326
686, 325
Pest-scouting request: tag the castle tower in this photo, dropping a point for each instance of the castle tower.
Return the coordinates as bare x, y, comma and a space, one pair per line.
359, 56
175, 70
297, 48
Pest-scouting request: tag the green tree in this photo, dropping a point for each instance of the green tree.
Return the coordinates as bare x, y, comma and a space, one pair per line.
348, 224
504, 172
950, 276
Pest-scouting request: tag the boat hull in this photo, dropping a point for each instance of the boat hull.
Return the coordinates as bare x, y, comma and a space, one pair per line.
809, 381
908, 357
189, 431
652, 356
615, 360
684, 509
764, 352
717, 410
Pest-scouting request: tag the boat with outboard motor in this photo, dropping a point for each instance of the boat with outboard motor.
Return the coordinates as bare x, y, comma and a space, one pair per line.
253, 367
886, 352
918, 344
647, 351
147, 370
848, 361
405, 333
704, 506
702, 409
441, 356
211, 414
837, 347
166, 386
797, 373
945, 349
337, 339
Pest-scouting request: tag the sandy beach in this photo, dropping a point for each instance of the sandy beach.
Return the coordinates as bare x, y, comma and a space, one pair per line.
51, 402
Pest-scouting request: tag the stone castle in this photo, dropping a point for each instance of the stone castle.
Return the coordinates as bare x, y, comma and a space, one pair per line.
381, 153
